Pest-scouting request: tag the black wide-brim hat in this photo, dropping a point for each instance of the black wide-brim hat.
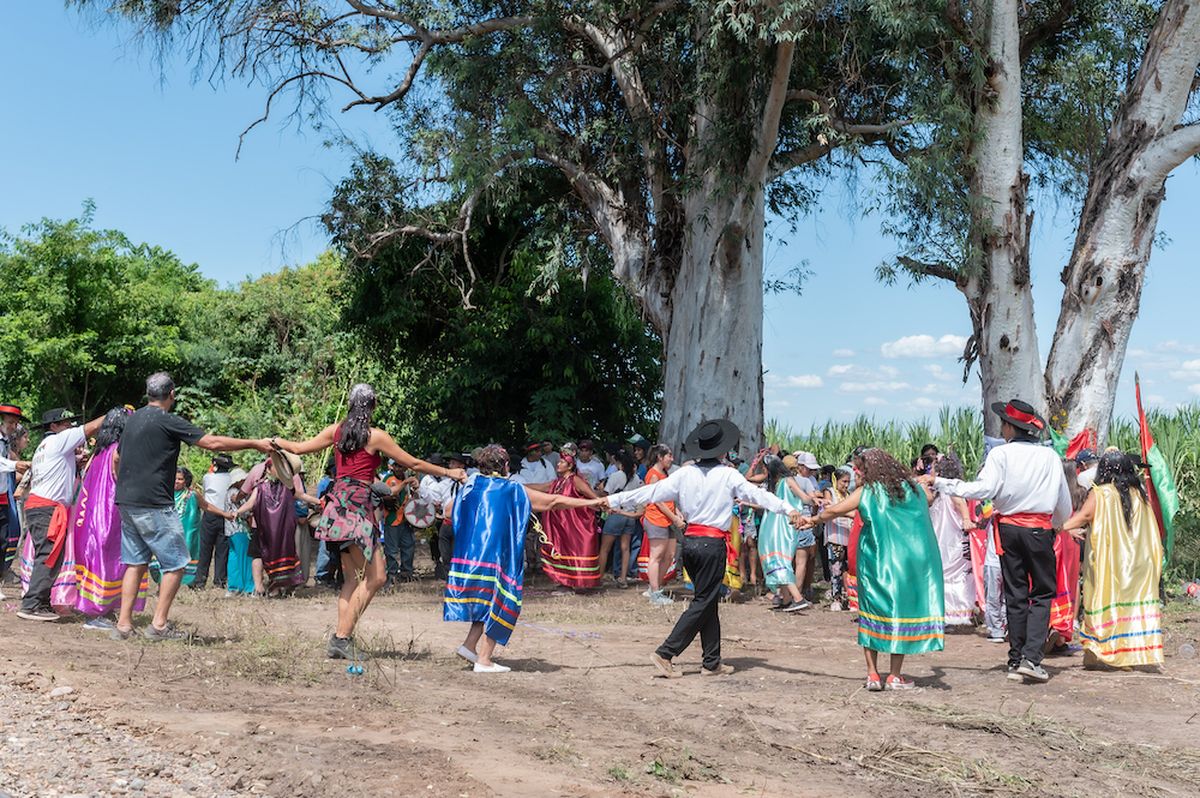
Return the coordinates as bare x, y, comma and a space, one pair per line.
57, 416
13, 410
1021, 415
712, 439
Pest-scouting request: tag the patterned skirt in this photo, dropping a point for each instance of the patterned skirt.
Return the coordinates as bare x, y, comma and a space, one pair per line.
349, 515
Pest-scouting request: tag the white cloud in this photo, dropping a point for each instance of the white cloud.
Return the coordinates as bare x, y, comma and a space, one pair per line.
889, 371
873, 387
843, 353
925, 403
796, 381
924, 346
1153, 399
874, 401
841, 369
938, 372
1176, 346
1194, 389
1188, 370
933, 387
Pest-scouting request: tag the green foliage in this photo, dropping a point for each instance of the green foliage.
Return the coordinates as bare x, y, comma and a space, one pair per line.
1177, 434
545, 343
88, 314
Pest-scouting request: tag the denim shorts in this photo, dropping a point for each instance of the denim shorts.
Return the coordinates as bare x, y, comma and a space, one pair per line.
616, 525
156, 531
805, 538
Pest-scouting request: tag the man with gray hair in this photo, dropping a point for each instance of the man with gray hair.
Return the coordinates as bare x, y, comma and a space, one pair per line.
149, 450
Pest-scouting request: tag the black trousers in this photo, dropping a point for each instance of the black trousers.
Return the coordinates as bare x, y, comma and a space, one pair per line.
1030, 582
212, 542
445, 548
704, 559
4, 539
42, 574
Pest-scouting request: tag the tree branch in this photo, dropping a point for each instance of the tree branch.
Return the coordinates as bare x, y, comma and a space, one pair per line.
922, 270
1169, 151
757, 167
1050, 26
785, 162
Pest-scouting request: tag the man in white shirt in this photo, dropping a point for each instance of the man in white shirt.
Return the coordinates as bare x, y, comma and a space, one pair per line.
704, 493
588, 465
1028, 489
534, 469
52, 481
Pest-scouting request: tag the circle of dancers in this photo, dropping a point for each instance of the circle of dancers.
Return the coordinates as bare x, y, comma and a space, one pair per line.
910, 550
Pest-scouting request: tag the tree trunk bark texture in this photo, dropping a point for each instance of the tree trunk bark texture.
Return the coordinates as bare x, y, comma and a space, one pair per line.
997, 290
713, 363
1104, 277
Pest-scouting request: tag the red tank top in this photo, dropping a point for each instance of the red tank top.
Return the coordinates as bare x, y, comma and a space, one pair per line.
360, 464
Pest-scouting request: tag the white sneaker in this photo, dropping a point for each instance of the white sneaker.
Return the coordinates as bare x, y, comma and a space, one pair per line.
661, 599
836, 607
467, 654
493, 668
647, 593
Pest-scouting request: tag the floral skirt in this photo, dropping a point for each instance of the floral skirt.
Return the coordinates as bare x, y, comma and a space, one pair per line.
349, 515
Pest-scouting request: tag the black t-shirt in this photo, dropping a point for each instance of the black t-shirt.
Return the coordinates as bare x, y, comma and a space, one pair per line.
149, 454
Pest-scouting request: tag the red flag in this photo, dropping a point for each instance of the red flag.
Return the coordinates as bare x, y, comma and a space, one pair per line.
1147, 441
1086, 439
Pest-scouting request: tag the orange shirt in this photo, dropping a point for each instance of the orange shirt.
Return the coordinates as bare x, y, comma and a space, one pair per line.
653, 514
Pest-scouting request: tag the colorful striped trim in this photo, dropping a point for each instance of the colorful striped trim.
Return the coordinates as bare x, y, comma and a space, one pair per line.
886, 619
1121, 604
871, 633
1145, 616
1105, 639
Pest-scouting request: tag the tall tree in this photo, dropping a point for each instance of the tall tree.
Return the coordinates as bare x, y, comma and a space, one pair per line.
1148, 138
88, 314
1044, 86
669, 121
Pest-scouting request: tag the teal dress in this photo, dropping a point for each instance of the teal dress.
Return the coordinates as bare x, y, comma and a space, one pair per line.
901, 608
777, 540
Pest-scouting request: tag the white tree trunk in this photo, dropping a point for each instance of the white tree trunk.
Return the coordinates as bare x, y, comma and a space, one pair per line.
713, 364
998, 288
1103, 280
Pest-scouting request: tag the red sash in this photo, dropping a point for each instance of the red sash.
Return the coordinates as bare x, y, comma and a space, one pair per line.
1023, 520
702, 531
58, 525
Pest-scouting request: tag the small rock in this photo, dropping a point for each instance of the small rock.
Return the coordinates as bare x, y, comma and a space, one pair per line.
137, 784
59, 692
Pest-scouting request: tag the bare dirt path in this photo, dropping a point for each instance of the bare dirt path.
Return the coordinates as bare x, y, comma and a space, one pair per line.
251, 706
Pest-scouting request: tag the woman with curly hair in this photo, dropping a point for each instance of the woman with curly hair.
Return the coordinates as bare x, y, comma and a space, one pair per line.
952, 523
487, 569
900, 602
350, 517
1122, 618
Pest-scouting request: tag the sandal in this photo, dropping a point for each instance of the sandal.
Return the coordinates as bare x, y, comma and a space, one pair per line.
900, 683
874, 685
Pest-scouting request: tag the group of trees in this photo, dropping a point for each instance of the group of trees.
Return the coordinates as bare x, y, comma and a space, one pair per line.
672, 127
88, 314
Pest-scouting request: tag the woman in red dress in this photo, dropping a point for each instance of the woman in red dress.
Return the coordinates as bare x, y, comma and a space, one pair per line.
571, 543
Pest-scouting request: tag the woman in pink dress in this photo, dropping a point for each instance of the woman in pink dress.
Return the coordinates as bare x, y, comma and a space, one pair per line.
571, 542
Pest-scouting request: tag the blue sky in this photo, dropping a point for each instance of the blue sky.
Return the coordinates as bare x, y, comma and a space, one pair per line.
90, 114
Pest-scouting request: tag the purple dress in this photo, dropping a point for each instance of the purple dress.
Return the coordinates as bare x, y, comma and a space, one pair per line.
275, 527
95, 530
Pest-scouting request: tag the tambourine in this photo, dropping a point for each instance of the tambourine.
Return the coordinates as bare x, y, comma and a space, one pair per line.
419, 513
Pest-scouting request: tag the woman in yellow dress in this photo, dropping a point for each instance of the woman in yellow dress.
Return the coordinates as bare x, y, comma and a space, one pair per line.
1122, 618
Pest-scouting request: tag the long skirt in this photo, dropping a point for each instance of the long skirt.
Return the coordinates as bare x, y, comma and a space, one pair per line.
1066, 596
239, 578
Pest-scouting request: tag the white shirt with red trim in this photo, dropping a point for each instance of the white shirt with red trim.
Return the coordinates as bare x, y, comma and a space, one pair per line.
1019, 477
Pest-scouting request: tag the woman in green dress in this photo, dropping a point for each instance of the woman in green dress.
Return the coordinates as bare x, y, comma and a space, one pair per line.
901, 605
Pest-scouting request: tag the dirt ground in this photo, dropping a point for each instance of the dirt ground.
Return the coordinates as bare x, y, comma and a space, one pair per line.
253, 702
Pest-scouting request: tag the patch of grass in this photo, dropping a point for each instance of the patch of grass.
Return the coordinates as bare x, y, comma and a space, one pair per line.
556, 752
619, 773
676, 766
283, 657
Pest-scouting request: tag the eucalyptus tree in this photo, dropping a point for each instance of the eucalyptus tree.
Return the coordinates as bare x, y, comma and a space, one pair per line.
676, 125
1085, 93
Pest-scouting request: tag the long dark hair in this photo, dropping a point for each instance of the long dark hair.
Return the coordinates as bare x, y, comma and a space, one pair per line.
627, 464
1120, 470
187, 476
356, 427
776, 470
111, 428
1077, 491
879, 467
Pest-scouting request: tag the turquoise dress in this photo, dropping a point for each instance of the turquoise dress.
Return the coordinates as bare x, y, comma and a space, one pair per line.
901, 609
777, 542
